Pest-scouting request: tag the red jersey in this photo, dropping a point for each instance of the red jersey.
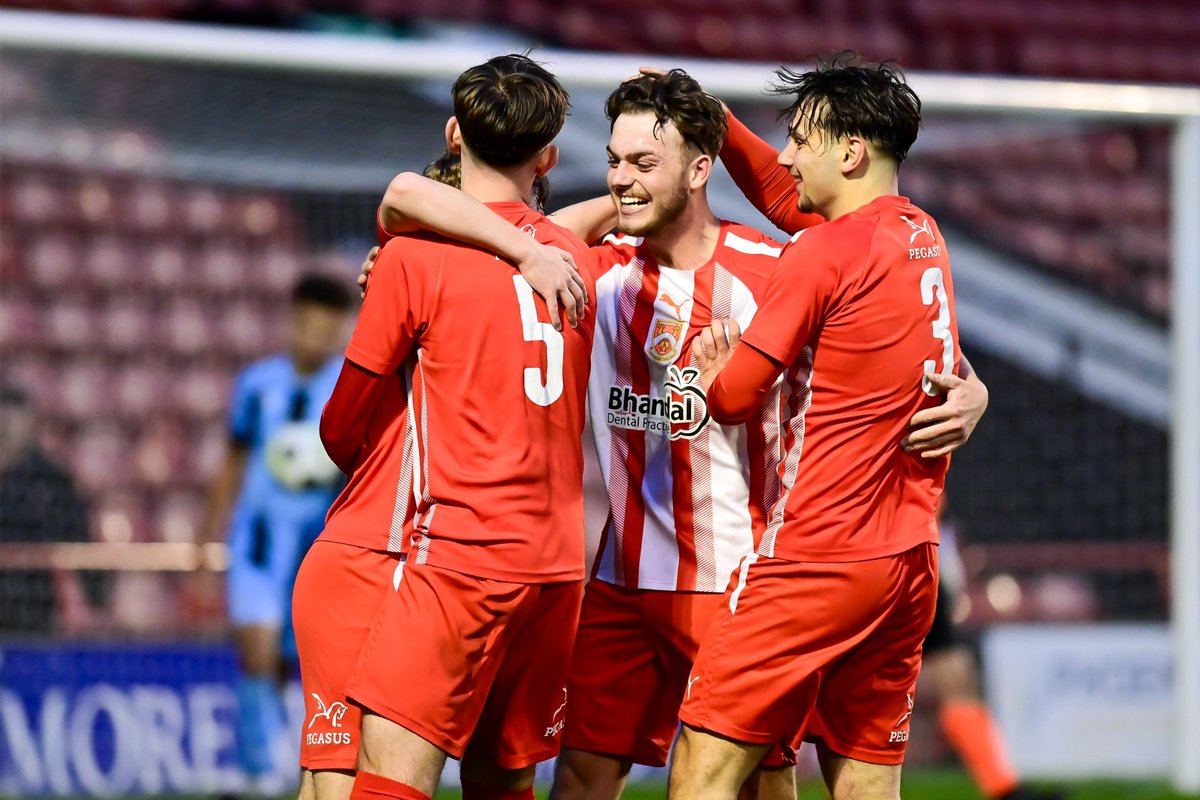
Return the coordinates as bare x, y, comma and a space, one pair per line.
475, 447
688, 497
859, 309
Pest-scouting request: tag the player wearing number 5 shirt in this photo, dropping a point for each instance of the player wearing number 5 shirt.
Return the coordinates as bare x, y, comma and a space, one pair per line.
458, 415
820, 636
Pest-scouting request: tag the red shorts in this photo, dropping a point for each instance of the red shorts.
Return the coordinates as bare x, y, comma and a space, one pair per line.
338, 590
818, 651
630, 668
454, 658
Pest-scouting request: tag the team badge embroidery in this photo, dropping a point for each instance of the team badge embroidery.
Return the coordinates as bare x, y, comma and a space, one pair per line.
665, 337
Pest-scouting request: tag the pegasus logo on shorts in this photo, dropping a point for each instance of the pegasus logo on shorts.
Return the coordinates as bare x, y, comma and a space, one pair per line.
902, 736
333, 713
558, 719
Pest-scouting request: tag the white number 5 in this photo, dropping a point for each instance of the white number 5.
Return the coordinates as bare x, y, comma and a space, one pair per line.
542, 393
932, 280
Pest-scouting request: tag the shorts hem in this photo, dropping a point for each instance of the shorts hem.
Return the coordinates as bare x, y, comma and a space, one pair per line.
725, 728
526, 759
388, 712
657, 759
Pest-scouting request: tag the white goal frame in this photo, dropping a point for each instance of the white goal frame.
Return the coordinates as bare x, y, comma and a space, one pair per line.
1129, 103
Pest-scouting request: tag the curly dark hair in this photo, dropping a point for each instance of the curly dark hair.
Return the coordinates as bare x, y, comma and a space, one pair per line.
677, 98
847, 95
508, 109
447, 169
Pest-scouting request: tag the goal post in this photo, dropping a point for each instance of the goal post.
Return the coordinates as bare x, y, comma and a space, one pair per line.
438, 62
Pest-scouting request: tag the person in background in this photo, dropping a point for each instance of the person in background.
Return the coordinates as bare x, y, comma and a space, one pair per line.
952, 676
271, 494
39, 504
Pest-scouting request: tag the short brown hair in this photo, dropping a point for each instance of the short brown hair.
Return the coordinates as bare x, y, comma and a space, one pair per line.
509, 108
677, 98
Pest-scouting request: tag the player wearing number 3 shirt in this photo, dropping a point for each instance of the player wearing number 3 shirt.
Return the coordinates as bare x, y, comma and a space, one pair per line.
820, 636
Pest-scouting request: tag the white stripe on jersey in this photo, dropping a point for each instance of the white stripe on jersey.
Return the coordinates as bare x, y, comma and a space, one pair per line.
422, 525
799, 383
730, 534
659, 558
627, 289
735, 242
408, 482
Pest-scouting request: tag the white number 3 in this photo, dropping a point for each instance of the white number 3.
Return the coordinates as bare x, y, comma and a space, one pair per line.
542, 393
933, 281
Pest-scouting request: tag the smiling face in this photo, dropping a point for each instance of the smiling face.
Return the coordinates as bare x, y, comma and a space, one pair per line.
814, 163
648, 173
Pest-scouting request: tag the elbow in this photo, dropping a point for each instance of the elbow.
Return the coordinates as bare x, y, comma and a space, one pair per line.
398, 196
731, 415
725, 411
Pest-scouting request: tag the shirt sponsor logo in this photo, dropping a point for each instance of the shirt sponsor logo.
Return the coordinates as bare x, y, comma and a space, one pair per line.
681, 411
915, 253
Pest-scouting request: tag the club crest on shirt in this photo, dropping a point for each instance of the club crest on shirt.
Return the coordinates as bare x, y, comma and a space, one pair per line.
665, 337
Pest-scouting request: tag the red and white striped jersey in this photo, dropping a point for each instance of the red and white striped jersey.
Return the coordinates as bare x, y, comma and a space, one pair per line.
687, 497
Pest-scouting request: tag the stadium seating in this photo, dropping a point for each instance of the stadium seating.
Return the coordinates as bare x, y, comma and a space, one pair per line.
128, 305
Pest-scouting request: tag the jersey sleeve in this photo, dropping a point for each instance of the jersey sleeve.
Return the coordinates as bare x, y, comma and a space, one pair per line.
795, 302
244, 409
753, 164
395, 309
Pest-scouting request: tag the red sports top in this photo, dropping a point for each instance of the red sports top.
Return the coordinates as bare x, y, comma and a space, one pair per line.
857, 311
475, 444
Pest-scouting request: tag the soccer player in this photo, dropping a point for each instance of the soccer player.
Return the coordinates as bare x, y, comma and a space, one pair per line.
458, 413
687, 496
820, 635
276, 511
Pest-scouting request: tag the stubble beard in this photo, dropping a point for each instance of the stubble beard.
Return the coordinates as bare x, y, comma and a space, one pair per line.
670, 209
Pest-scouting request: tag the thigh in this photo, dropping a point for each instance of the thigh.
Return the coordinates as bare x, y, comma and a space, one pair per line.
434, 650
339, 589
866, 700
615, 683
849, 778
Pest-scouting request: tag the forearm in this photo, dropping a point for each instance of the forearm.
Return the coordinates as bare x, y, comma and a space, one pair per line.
739, 391
344, 418
413, 201
754, 166
588, 220
221, 493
